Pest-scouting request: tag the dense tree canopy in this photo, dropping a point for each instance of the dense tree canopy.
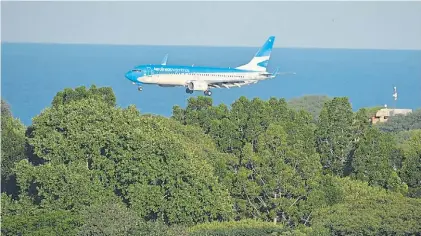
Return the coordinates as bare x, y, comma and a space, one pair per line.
411, 168
373, 161
402, 122
334, 135
365, 210
87, 167
310, 103
146, 160
12, 147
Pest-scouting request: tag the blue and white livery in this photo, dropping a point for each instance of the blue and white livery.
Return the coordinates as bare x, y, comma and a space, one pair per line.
199, 78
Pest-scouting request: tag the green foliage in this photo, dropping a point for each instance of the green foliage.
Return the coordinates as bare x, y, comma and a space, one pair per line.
371, 111
22, 218
307, 231
242, 227
41, 222
310, 103
5, 108
12, 147
402, 137
372, 161
87, 167
159, 171
275, 154
327, 192
402, 122
68, 187
67, 95
156, 228
369, 211
213, 120
411, 169
111, 218
360, 126
334, 135
272, 180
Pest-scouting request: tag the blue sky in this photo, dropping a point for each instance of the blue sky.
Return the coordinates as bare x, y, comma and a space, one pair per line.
340, 24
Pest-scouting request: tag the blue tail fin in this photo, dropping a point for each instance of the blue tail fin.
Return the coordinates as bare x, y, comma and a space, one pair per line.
261, 59
164, 60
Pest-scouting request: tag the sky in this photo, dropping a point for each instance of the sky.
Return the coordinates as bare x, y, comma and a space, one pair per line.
334, 24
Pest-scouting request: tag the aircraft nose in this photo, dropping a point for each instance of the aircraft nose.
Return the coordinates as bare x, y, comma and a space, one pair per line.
130, 76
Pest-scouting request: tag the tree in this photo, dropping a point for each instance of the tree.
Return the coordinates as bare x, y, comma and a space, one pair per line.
67, 95
366, 210
5, 108
281, 185
12, 148
411, 169
94, 168
373, 158
275, 155
402, 137
334, 135
23, 218
243, 227
112, 218
61, 187
148, 161
310, 103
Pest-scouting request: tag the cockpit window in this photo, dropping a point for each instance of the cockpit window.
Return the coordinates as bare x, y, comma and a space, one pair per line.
136, 70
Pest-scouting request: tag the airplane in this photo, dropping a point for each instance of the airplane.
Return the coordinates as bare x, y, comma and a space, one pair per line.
200, 78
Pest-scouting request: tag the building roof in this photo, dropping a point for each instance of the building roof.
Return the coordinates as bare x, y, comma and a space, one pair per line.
392, 112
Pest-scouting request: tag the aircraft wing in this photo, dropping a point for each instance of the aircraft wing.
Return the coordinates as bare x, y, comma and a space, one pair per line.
230, 84
239, 83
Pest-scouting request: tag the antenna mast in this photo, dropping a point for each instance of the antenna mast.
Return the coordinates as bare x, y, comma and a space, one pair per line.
395, 96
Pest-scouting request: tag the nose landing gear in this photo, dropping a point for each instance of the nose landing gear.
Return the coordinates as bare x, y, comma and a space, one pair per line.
207, 93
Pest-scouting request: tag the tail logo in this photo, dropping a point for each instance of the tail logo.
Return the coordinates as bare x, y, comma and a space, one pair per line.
260, 61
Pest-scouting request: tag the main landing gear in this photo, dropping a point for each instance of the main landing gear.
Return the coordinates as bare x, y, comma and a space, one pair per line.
140, 88
206, 92
189, 91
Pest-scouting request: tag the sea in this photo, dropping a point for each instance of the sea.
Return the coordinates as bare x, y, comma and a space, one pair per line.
33, 73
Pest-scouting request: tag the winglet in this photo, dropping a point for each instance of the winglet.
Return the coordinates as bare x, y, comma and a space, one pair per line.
164, 61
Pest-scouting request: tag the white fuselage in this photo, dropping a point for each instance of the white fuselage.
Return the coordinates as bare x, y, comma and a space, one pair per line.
182, 79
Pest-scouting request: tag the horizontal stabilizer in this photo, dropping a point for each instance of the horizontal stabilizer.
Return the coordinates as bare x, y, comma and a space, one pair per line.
276, 72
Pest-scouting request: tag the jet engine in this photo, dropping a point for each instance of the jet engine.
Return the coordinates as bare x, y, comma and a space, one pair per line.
198, 85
